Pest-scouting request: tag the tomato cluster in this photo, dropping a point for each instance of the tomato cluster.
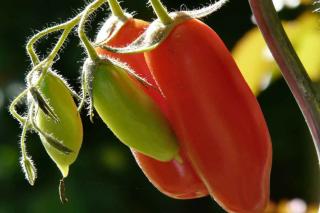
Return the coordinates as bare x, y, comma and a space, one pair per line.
220, 128
171, 91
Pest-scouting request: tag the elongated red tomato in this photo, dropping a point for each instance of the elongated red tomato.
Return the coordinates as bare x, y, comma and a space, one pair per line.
177, 180
215, 116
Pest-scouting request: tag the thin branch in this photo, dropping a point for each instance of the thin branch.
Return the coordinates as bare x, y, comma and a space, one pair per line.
291, 67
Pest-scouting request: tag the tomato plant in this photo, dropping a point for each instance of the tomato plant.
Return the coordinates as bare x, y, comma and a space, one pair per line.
214, 114
181, 106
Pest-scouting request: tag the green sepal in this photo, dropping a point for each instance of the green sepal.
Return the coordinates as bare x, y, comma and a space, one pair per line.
43, 104
157, 32
29, 169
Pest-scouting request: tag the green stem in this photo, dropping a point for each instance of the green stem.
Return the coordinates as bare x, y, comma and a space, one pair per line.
116, 9
13, 104
23, 139
53, 54
47, 63
30, 45
84, 88
291, 67
81, 29
161, 12
68, 26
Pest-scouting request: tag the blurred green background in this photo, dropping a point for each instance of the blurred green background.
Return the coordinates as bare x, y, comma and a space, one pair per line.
105, 177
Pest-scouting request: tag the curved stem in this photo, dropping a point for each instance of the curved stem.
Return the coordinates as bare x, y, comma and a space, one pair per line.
47, 62
161, 12
26, 163
291, 67
68, 26
12, 108
37, 64
81, 29
53, 54
30, 45
116, 9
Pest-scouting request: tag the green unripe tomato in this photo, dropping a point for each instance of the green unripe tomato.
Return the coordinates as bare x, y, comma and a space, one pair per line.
68, 129
129, 112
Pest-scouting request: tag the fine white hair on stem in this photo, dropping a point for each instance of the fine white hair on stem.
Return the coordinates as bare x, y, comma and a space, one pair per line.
205, 11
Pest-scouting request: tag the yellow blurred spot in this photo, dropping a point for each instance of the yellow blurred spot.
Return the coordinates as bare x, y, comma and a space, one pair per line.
306, 1
313, 209
255, 65
296, 205
256, 62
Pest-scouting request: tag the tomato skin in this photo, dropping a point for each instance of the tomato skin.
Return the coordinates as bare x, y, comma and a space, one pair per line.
68, 130
165, 176
215, 116
176, 180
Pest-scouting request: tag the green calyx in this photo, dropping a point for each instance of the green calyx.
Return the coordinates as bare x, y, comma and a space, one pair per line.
159, 29
110, 28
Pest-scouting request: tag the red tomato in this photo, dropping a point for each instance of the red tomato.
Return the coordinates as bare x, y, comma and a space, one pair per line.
177, 180
215, 115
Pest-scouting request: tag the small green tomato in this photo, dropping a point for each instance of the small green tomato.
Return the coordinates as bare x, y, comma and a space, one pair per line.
66, 128
128, 111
